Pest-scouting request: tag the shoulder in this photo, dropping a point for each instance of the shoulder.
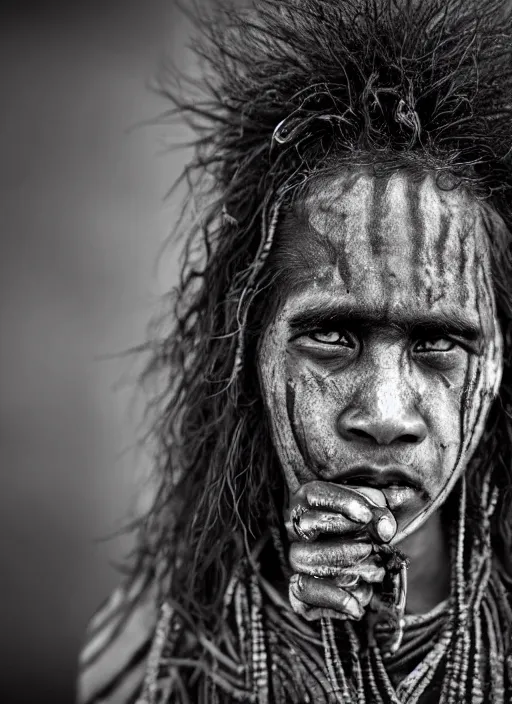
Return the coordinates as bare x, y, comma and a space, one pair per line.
118, 638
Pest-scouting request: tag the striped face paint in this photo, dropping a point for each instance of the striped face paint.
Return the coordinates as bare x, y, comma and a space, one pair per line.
384, 356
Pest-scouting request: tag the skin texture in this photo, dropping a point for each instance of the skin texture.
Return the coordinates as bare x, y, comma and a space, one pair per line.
378, 369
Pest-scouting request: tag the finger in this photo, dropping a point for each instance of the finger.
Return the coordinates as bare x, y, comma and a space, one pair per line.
359, 589
312, 613
351, 502
323, 594
333, 497
375, 496
383, 525
313, 523
371, 573
329, 558
363, 593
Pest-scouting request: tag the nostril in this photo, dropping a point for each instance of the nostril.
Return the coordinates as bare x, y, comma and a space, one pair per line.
408, 438
361, 434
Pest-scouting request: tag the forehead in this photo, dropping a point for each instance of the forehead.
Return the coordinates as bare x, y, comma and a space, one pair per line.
394, 243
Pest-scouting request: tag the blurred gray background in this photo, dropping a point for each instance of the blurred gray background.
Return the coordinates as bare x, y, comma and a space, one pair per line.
82, 220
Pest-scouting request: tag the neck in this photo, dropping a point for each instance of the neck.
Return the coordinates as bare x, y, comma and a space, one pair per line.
428, 576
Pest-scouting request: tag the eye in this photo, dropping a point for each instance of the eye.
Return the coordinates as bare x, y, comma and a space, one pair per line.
435, 344
333, 337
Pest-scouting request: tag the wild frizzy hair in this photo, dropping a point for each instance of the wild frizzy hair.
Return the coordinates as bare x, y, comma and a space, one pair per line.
289, 91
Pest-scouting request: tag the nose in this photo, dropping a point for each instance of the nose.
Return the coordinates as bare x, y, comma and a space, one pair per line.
354, 425
383, 413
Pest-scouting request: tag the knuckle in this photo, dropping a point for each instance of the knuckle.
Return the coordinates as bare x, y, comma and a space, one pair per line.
302, 587
346, 579
301, 609
351, 605
363, 593
345, 599
313, 490
294, 557
298, 585
302, 491
297, 498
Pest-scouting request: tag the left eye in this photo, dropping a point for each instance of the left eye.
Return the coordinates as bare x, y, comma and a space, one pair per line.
332, 337
438, 344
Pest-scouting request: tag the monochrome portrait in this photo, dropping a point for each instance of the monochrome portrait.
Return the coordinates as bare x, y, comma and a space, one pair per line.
331, 511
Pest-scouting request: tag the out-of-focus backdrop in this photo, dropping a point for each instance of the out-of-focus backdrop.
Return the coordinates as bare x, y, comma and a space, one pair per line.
82, 220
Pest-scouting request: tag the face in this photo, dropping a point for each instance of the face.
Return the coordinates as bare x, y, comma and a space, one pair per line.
381, 362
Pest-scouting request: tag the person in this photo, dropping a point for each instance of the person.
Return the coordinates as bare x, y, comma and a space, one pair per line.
332, 519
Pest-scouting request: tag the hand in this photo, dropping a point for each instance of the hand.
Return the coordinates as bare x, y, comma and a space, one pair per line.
336, 576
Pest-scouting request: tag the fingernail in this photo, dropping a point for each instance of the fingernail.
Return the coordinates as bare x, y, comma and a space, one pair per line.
296, 584
385, 528
353, 607
358, 512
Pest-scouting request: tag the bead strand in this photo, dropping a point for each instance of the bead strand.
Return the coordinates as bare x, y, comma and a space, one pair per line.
260, 678
150, 686
336, 693
356, 662
242, 622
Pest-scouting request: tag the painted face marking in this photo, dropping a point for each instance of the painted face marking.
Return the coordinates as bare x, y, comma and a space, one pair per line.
329, 216
377, 207
482, 378
444, 230
417, 234
471, 385
344, 268
290, 407
430, 222
465, 253
487, 368
337, 257
446, 381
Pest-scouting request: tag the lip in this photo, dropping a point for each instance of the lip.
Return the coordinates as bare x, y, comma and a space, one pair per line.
398, 497
388, 477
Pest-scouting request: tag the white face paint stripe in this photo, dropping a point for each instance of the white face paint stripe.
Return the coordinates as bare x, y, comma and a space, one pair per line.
395, 217
430, 217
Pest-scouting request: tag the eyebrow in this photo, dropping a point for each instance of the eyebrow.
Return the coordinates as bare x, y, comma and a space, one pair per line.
438, 323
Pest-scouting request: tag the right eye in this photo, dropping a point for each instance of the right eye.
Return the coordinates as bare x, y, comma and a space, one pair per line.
333, 337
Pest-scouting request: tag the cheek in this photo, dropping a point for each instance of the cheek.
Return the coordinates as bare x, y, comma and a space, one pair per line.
441, 400
272, 370
460, 417
481, 391
313, 404
443, 410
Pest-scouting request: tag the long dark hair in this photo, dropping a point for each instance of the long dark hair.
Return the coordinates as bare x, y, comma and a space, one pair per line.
288, 91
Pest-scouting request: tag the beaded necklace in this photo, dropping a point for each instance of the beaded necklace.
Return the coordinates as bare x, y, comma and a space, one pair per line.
266, 654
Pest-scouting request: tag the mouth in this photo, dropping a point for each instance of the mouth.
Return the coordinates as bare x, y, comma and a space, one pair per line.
378, 477
399, 489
